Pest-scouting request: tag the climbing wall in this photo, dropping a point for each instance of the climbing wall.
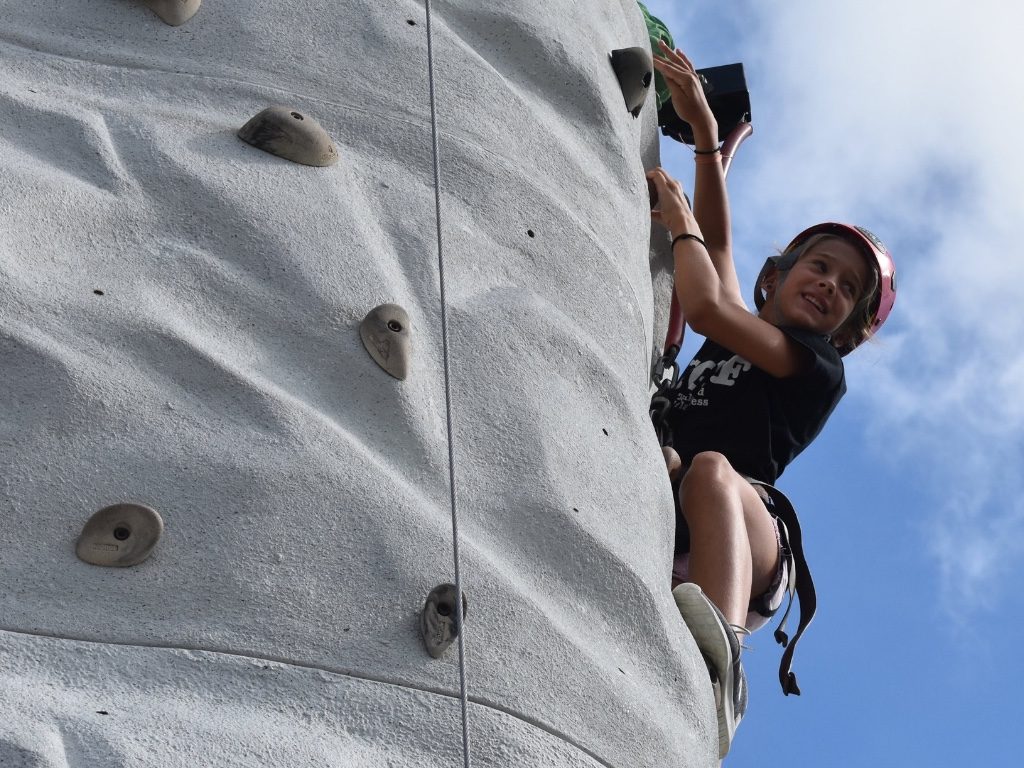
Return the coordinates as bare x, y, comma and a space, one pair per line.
180, 321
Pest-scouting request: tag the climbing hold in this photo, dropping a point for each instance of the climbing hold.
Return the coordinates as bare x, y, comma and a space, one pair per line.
635, 70
386, 335
174, 12
120, 535
290, 134
437, 621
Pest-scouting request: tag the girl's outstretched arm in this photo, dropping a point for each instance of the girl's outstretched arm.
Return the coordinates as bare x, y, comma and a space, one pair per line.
710, 197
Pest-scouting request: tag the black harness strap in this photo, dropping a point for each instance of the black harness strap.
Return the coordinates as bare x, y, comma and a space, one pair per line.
804, 587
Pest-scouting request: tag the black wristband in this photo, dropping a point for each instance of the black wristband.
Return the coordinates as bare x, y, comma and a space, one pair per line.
687, 236
706, 151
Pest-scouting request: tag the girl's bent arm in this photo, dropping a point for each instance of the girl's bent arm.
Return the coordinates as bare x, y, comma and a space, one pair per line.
705, 299
712, 314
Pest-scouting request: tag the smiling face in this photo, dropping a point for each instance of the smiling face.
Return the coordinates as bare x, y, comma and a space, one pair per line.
820, 290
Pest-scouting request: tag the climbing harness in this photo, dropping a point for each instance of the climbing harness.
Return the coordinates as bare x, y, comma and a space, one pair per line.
801, 585
459, 629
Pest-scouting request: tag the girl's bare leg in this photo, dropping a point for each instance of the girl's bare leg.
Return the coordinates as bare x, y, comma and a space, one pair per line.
734, 552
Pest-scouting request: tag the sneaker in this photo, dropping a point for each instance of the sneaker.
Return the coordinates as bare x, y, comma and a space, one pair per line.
717, 641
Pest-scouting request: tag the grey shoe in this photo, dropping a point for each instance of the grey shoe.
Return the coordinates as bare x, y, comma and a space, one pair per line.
717, 641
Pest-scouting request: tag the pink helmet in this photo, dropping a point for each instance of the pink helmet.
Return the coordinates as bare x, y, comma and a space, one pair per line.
876, 253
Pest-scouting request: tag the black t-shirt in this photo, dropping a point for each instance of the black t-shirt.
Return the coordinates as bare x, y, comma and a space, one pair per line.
759, 422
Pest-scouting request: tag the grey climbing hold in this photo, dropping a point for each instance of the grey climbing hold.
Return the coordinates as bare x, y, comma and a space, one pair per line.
174, 12
290, 134
387, 337
120, 535
437, 621
635, 70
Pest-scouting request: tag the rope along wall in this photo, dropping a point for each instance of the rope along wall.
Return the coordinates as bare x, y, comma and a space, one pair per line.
463, 695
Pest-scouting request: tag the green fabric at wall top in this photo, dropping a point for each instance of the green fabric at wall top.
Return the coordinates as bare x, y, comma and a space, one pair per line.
657, 30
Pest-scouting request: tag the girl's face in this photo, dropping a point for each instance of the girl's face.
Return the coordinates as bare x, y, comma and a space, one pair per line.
821, 290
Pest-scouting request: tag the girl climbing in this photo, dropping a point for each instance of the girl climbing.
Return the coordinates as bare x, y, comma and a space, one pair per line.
757, 393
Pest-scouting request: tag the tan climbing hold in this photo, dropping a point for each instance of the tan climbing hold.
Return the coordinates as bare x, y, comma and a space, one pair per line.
120, 535
387, 337
174, 12
290, 134
438, 623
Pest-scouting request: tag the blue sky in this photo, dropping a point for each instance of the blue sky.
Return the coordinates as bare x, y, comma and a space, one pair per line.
899, 116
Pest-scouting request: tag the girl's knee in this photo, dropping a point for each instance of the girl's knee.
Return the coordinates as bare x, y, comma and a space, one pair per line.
708, 487
709, 468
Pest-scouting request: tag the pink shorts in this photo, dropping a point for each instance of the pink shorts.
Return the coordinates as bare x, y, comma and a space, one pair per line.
762, 607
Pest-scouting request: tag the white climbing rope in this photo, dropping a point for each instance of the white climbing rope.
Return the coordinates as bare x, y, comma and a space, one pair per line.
463, 696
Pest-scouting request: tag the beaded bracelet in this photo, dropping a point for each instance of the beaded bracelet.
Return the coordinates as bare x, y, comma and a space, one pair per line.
707, 151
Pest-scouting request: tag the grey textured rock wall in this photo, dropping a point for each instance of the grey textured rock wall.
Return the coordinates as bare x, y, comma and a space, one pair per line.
179, 320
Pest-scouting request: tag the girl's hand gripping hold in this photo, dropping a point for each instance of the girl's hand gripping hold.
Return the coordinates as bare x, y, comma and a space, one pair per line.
688, 99
672, 212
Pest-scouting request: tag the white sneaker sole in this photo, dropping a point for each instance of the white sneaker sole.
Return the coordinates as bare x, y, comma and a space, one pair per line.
706, 627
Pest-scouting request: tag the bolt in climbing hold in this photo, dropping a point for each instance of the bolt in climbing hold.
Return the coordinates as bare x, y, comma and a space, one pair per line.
437, 620
635, 70
386, 336
119, 535
290, 134
174, 12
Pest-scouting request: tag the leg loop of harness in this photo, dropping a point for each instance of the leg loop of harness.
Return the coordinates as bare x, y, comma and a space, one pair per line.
800, 584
